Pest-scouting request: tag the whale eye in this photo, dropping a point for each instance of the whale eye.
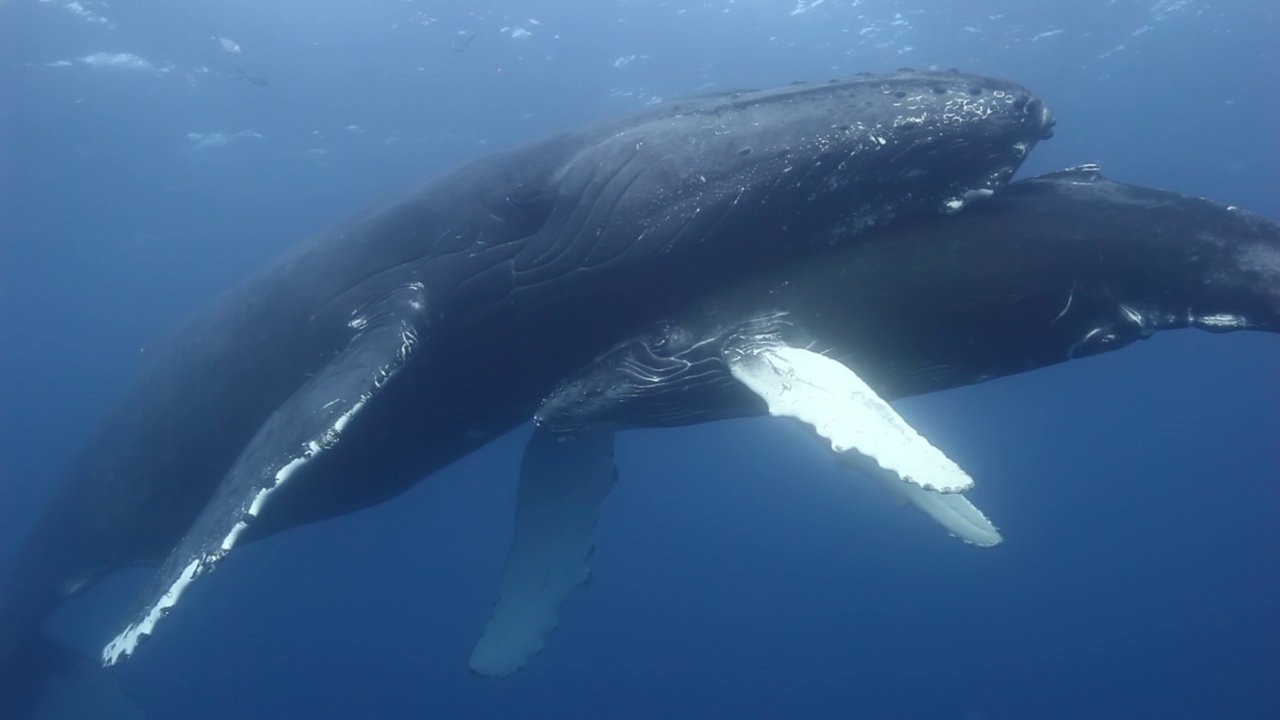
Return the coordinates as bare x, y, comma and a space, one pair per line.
975, 91
524, 196
900, 94
938, 89
744, 152
527, 205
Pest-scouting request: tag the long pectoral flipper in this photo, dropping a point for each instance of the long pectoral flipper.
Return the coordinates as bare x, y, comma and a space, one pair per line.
840, 407
863, 430
305, 426
952, 511
563, 481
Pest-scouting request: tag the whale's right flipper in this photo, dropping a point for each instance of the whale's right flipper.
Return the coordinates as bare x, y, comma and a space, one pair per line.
565, 478
645, 381
863, 430
952, 511
839, 406
563, 481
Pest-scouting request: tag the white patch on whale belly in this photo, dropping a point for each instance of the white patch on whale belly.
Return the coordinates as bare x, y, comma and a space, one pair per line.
124, 644
1221, 321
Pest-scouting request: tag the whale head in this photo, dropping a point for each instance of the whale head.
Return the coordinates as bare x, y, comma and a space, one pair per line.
1149, 260
799, 165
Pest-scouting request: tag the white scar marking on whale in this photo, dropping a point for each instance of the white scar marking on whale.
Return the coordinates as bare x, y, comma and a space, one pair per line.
1134, 316
1070, 297
1221, 320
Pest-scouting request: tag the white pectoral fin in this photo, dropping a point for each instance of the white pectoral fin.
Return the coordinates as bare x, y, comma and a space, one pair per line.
839, 406
563, 481
864, 431
952, 511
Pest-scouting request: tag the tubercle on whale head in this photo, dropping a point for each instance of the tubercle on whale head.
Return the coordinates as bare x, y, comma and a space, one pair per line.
969, 133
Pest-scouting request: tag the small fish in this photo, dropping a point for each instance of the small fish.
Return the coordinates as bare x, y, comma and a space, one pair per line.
230, 46
461, 43
254, 78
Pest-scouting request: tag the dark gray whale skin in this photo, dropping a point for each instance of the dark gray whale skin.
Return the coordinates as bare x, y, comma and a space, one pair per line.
410, 334
1061, 266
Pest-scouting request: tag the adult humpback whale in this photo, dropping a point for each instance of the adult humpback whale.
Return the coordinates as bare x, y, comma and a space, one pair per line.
1056, 267
411, 334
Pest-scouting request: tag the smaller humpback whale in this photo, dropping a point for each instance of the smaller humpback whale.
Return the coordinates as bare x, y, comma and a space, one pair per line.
414, 332
1057, 267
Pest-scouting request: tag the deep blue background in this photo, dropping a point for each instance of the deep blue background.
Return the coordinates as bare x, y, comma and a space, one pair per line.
738, 574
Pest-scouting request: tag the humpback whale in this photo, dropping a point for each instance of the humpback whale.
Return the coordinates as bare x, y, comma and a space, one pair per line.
1057, 267
412, 333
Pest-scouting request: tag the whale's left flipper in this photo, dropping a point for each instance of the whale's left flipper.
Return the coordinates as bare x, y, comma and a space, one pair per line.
305, 426
563, 481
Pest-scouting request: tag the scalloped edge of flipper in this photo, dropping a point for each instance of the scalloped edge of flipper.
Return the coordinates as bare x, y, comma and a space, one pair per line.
563, 482
306, 425
829, 397
952, 511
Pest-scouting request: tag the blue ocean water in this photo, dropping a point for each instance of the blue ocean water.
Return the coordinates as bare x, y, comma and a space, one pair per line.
738, 573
